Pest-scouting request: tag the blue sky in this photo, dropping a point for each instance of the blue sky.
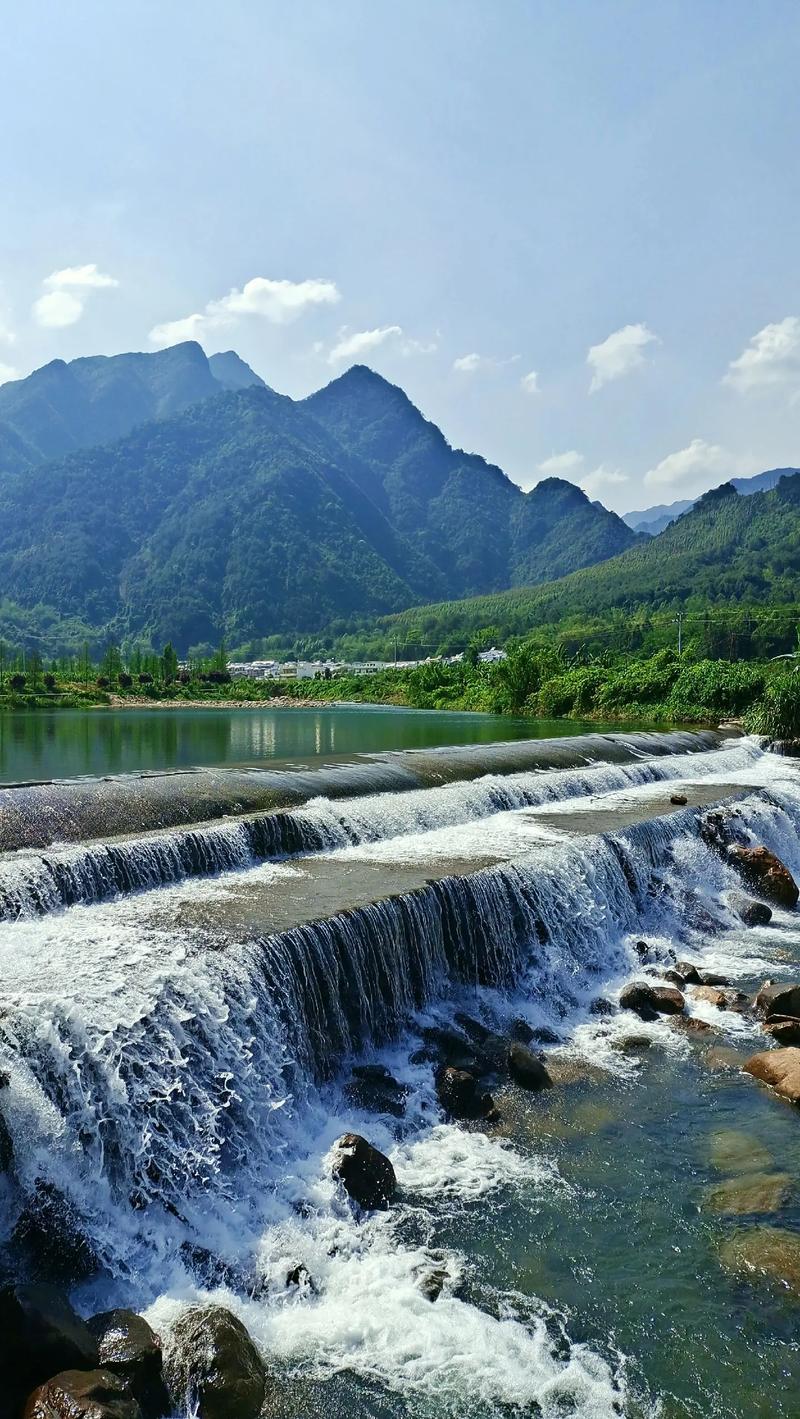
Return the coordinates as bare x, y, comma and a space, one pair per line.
568, 229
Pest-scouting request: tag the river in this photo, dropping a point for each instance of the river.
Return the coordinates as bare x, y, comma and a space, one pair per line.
184, 1007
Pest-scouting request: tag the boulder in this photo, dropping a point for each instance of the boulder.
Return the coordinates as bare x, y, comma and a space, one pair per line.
712, 995
525, 1069
301, 1277
522, 1031
82, 1394
460, 1094
50, 1237
432, 1282
542, 1035
599, 1006
365, 1173
690, 973
780, 1068
675, 978
40, 1335
772, 1251
212, 1367
690, 1025
667, 1000
639, 997
733, 1151
711, 978
783, 1030
132, 1351
748, 1193
631, 1044
679, 799
765, 874
749, 911
372, 1087
473, 1029
778, 999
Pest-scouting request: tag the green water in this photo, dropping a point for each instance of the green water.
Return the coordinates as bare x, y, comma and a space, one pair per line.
49, 744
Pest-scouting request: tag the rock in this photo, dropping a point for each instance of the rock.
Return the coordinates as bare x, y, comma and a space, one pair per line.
640, 998
735, 1152
642, 949
600, 1006
784, 1031
372, 1087
50, 1235
82, 1394
432, 1282
722, 1057
679, 799
712, 995
522, 1031
365, 1173
667, 1001
675, 977
690, 1025
780, 1068
301, 1277
212, 1367
709, 978
473, 1029
765, 874
749, 911
542, 1035
773, 1252
778, 999
132, 1351
690, 973
525, 1069
753, 1192
631, 1044
460, 1094
40, 1334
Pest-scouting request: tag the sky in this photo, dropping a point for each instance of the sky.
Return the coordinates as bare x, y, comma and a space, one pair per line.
568, 228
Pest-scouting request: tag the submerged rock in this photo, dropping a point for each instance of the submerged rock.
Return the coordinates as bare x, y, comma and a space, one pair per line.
780, 1068
733, 1151
373, 1088
82, 1394
132, 1351
460, 1094
770, 1251
778, 1000
40, 1335
765, 874
752, 1192
365, 1173
212, 1367
525, 1069
431, 1283
631, 1044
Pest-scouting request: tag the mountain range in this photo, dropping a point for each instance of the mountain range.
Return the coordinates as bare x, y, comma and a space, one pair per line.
653, 520
174, 496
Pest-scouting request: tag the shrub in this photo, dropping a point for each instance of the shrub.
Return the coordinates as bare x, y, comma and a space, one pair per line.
777, 713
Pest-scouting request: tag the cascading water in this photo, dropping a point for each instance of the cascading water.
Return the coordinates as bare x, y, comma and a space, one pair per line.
174, 1064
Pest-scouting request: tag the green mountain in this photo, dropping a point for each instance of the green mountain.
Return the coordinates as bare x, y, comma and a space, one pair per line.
248, 514
728, 548
64, 407
654, 519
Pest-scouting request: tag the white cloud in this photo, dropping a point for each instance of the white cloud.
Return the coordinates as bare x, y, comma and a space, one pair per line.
352, 347
7, 372
57, 309
692, 465
279, 302
530, 383
60, 305
80, 276
470, 364
562, 464
771, 358
602, 477
619, 354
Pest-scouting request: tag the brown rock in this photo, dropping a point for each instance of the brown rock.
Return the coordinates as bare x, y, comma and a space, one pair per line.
765, 874
690, 973
667, 1000
711, 978
679, 799
712, 995
675, 978
778, 1000
784, 1031
690, 1025
525, 1069
130, 1350
212, 1367
733, 1151
365, 1173
751, 1192
780, 1068
773, 1252
82, 1394
460, 1093
749, 911
640, 998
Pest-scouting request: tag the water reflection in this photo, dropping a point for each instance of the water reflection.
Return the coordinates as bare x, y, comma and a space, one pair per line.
69, 743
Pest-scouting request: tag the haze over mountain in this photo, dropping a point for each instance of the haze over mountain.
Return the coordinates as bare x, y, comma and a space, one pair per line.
654, 519
239, 512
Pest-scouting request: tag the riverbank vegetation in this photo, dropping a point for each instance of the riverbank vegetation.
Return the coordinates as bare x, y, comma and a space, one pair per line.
542, 681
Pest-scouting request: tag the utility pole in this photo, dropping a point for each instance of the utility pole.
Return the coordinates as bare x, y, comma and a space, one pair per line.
679, 624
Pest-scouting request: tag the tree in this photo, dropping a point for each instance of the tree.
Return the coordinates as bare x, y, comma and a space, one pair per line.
169, 663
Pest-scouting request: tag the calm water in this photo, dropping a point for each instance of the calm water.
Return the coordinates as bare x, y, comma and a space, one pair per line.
69, 743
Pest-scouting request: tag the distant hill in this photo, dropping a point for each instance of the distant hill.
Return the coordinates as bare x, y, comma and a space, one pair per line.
654, 519
727, 548
64, 407
247, 513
